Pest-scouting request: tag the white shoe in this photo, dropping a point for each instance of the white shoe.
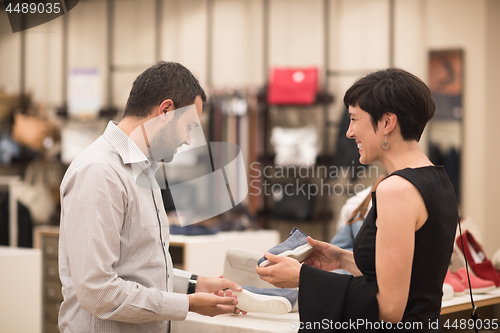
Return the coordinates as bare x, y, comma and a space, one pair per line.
447, 291
272, 300
239, 267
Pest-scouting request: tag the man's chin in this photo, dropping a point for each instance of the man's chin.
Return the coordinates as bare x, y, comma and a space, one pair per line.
168, 159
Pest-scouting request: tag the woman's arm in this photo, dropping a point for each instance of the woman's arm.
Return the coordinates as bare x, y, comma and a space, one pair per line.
400, 212
285, 272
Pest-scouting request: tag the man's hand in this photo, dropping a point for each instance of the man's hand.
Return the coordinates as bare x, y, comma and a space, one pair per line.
283, 272
219, 286
229, 293
208, 304
214, 285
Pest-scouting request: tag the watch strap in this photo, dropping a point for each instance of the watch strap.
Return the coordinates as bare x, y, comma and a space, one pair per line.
193, 280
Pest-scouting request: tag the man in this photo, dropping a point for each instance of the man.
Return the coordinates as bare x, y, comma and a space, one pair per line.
114, 264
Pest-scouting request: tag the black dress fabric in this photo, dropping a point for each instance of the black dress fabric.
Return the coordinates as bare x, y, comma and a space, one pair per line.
24, 223
346, 299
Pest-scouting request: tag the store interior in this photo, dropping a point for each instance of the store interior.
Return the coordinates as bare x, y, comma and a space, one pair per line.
61, 82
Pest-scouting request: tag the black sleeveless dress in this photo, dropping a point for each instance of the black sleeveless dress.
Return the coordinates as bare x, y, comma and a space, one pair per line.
347, 300
433, 244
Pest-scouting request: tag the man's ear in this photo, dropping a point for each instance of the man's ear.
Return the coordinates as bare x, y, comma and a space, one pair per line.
389, 121
165, 106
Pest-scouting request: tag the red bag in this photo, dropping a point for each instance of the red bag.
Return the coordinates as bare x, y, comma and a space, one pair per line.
293, 86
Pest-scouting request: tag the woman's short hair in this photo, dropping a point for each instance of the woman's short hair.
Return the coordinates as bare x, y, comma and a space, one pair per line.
397, 91
165, 80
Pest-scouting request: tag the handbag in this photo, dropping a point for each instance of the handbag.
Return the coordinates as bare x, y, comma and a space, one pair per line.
31, 131
344, 238
10, 102
35, 194
293, 86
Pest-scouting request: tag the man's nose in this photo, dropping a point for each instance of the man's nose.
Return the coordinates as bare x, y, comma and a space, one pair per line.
188, 138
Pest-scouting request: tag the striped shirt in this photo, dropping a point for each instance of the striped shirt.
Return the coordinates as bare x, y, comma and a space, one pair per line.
114, 264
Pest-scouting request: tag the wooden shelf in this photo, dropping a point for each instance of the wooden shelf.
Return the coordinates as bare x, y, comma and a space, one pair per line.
461, 303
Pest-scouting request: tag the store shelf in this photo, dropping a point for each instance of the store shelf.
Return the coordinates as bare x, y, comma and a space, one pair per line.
461, 303
21, 290
322, 98
107, 112
321, 215
268, 159
204, 255
46, 238
263, 322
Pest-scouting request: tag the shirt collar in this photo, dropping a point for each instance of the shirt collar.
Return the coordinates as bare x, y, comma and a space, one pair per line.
126, 148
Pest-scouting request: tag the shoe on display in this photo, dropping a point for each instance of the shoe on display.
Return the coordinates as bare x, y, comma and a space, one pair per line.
496, 260
478, 285
448, 292
296, 247
267, 300
239, 267
456, 283
476, 257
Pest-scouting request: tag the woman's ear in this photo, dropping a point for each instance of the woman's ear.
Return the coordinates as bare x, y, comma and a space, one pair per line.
390, 121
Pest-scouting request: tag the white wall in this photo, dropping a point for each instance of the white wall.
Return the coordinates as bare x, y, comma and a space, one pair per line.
10, 47
359, 42
491, 120
237, 43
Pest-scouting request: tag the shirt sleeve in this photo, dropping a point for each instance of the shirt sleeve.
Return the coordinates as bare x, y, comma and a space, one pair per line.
181, 281
93, 208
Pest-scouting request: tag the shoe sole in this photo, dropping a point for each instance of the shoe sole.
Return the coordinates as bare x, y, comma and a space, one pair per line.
251, 302
300, 254
480, 290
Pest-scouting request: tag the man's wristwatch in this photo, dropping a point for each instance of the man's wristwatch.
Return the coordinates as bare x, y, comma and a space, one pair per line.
192, 283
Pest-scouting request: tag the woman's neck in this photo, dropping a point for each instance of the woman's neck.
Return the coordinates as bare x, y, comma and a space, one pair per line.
404, 155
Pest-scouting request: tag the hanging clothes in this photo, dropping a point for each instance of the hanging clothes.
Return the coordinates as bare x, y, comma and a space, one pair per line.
346, 152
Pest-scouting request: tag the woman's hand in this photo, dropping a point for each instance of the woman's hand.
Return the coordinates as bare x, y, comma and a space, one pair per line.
283, 272
326, 257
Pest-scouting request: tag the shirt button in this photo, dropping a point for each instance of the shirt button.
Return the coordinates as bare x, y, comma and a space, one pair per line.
168, 276
163, 243
147, 162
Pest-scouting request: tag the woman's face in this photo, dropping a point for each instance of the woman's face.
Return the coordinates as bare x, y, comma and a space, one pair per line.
368, 141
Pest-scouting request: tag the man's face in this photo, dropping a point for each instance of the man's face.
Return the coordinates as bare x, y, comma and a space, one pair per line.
176, 131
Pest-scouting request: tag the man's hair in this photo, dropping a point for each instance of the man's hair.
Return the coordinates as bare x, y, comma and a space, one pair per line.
396, 91
165, 80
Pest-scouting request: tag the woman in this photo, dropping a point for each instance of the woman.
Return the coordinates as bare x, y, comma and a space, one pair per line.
402, 251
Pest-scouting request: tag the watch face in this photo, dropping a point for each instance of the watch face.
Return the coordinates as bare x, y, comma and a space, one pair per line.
191, 286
